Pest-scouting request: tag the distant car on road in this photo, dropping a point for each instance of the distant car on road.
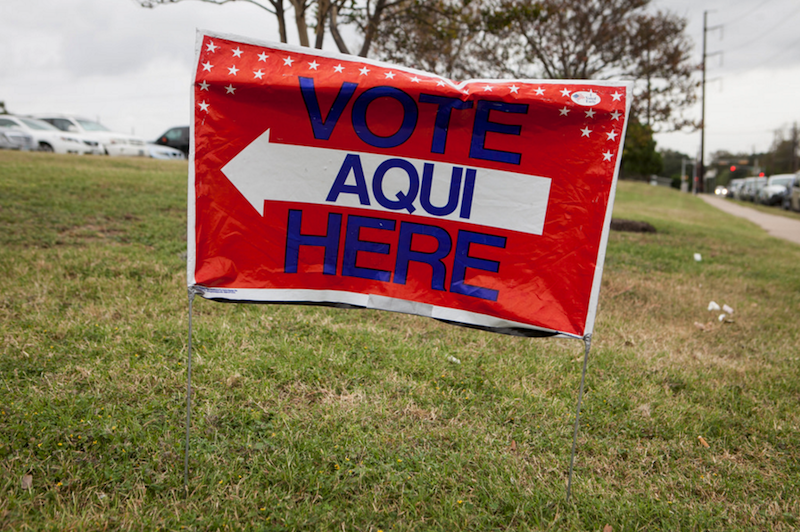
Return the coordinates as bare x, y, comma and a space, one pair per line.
113, 143
734, 186
777, 188
794, 197
176, 137
46, 137
15, 139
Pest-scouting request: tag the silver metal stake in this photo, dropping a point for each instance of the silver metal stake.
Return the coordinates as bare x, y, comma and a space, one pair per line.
587, 340
192, 292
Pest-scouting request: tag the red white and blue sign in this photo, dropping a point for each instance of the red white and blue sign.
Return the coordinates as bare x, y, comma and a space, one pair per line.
335, 180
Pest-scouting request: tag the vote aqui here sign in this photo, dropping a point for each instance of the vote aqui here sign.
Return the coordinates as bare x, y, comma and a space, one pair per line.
331, 179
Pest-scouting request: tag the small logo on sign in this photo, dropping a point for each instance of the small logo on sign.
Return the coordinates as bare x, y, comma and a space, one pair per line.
585, 98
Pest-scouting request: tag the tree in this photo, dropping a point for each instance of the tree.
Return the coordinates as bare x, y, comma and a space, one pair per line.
554, 39
640, 160
326, 13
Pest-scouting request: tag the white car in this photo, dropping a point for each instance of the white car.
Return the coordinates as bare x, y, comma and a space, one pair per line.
47, 137
14, 139
113, 143
156, 151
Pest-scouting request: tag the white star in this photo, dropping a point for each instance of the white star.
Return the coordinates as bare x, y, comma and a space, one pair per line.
607, 156
233, 70
440, 83
616, 97
263, 56
539, 91
211, 47
415, 79
488, 88
565, 93
230, 89
237, 52
204, 106
364, 71
585, 132
564, 111
390, 75
203, 86
313, 65
612, 135
590, 113
287, 61
339, 68
259, 74
615, 115
514, 89
207, 66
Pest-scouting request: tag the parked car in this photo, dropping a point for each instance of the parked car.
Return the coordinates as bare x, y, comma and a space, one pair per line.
794, 197
113, 143
157, 151
734, 186
176, 137
751, 187
46, 137
777, 188
15, 139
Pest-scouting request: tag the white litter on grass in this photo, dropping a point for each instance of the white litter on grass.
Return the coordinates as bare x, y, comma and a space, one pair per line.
726, 308
698, 257
454, 360
722, 317
713, 306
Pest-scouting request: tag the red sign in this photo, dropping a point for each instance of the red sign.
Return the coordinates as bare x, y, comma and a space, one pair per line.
330, 179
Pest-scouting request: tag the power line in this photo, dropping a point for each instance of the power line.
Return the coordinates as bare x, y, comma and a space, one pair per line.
766, 32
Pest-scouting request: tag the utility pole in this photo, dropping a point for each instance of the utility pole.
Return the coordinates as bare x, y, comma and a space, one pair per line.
701, 169
794, 148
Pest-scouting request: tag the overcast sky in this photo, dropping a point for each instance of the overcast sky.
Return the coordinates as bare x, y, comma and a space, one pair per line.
131, 67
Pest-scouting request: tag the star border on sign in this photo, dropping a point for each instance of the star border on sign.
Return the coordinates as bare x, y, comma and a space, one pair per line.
564, 111
258, 74
263, 56
230, 89
616, 97
203, 106
364, 71
237, 52
233, 70
607, 155
565, 92
287, 61
339, 68
313, 65
211, 47
585, 132
204, 86
207, 66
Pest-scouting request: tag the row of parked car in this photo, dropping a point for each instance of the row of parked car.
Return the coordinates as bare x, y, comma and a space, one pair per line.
780, 190
70, 134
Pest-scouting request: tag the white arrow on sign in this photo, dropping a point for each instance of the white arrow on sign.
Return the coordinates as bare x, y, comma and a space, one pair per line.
266, 171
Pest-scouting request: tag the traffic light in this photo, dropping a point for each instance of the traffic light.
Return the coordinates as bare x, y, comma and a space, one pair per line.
733, 168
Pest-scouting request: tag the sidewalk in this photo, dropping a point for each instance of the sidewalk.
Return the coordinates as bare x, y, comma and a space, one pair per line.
775, 225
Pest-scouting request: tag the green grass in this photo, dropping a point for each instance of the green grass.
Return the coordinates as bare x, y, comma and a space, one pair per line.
308, 418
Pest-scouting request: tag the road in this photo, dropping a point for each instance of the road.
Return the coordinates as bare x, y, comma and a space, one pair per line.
779, 226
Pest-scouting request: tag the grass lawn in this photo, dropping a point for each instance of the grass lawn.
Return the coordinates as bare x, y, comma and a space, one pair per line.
308, 418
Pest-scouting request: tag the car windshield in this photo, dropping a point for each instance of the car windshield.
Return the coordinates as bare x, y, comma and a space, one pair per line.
781, 180
88, 125
38, 124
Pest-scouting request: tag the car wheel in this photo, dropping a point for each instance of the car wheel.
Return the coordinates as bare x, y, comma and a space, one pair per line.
43, 146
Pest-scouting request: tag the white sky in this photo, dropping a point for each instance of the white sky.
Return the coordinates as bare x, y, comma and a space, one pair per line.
131, 67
